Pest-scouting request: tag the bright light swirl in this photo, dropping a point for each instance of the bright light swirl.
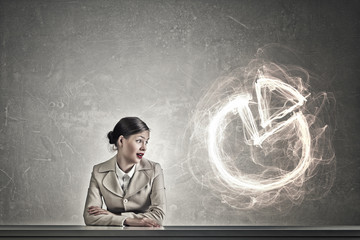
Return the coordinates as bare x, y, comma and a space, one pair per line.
264, 138
216, 130
284, 89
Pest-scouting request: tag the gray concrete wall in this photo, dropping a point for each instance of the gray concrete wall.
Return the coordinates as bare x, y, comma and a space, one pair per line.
71, 69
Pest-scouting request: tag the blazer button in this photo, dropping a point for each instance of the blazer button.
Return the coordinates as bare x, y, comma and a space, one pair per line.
125, 200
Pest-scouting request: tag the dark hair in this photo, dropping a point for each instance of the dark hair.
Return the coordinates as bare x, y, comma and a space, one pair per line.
127, 126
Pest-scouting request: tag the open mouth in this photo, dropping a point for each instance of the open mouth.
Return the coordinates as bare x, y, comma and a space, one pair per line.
140, 155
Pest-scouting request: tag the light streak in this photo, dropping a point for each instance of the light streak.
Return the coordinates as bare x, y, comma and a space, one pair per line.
287, 144
216, 131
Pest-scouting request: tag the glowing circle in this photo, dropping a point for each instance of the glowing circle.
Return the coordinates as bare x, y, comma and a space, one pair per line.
240, 104
259, 138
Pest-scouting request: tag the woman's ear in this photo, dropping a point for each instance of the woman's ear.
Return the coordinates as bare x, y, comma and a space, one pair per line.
120, 141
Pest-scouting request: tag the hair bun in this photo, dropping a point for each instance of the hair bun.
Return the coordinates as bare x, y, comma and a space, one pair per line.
110, 137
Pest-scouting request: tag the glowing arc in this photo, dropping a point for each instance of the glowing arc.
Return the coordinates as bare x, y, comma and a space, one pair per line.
241, 105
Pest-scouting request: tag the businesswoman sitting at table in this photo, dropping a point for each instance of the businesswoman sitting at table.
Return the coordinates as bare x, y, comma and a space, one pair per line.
131, 186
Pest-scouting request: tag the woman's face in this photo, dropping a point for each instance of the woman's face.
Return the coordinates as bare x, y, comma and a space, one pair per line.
134, 147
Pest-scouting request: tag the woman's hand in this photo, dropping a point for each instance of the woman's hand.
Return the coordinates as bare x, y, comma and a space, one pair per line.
141, 222
95, 210
135, 222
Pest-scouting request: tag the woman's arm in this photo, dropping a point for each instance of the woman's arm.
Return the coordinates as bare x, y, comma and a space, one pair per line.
157, 209
94, 202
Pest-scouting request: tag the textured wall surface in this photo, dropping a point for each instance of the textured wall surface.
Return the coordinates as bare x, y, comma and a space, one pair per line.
71, 69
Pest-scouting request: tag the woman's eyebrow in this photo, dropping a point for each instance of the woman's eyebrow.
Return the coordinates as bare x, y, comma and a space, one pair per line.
144, 137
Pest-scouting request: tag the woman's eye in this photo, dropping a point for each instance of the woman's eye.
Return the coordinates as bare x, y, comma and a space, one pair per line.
138, 141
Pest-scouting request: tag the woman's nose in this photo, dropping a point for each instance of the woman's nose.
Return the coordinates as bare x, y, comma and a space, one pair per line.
143, 147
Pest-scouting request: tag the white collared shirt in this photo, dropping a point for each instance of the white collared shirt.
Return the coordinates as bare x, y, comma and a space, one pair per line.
124, 181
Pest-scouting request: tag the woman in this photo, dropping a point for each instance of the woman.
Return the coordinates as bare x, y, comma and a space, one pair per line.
131, 186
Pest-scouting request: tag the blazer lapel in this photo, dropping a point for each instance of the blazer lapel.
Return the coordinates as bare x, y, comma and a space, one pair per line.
110, 181
140, 178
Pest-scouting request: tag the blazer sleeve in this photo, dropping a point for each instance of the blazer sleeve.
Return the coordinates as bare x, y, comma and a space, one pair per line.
94, 198
157, 208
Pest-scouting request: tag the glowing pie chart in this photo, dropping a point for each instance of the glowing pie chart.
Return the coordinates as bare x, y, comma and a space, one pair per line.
271, 123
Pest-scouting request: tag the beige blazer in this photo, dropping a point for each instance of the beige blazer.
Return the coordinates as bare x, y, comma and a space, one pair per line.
145, 196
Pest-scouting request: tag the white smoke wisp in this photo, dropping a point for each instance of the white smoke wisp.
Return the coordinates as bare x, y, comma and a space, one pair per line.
258, 138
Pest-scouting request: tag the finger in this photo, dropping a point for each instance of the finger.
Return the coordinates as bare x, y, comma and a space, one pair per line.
98, 211
93, 213
152, 222
146, 224
93, 207
93, 210
155, 225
